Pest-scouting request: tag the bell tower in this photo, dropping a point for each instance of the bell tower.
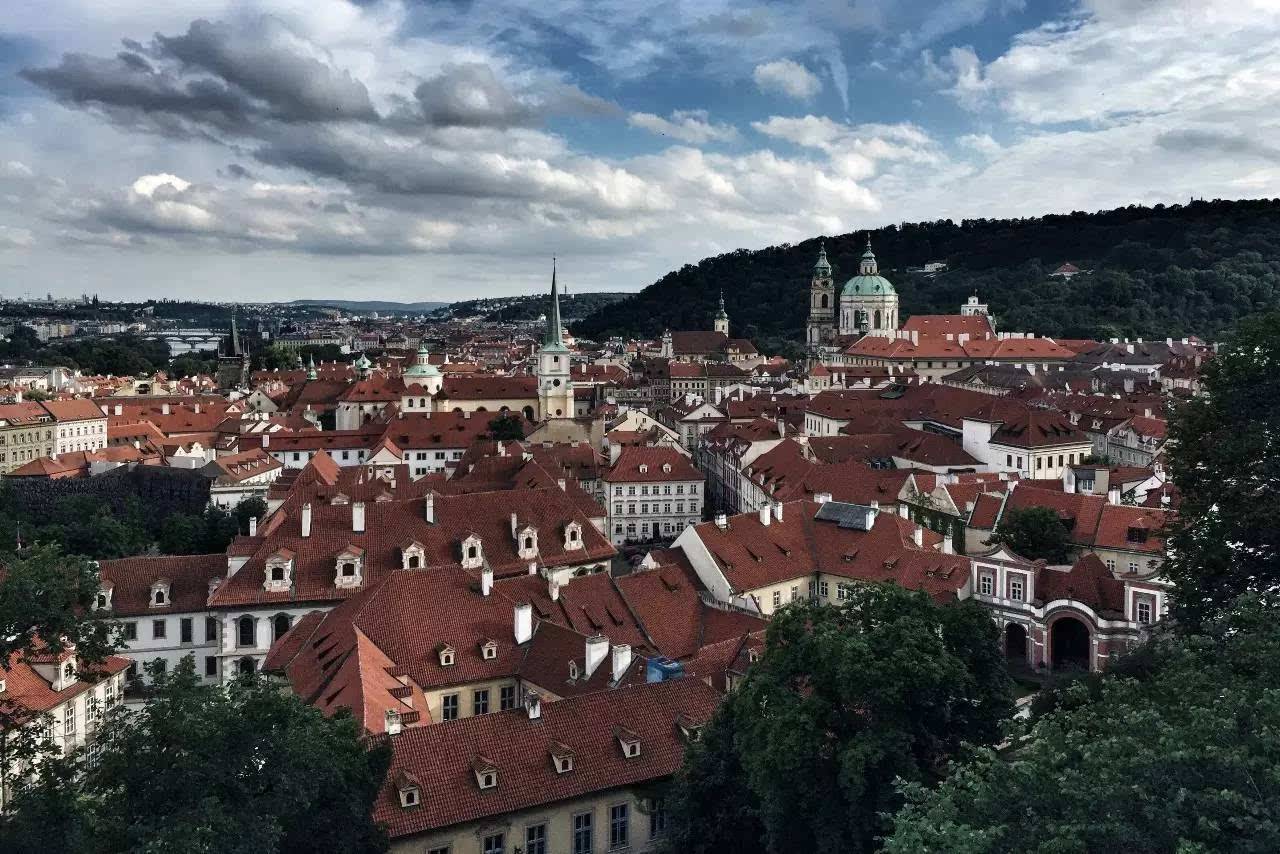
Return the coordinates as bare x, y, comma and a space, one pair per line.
555, 391
721, 323
822, 303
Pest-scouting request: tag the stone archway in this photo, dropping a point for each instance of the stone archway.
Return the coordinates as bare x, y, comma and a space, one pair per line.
1070, 644
1015, 643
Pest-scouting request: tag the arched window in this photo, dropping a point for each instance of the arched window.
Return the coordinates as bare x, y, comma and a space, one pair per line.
826, 301
280, 625
246, 631
877, 321
528, 413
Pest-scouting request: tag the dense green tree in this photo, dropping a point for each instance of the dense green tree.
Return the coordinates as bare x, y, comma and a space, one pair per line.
1035, 533
190, 365
200, 768
1156, 272
1184, 761
506, 428
804, 754
46, 600
1224, 458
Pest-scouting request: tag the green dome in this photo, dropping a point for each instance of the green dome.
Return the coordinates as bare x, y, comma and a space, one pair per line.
421, 366
868, 286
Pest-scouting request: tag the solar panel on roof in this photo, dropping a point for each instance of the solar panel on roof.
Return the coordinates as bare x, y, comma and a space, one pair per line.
845, 515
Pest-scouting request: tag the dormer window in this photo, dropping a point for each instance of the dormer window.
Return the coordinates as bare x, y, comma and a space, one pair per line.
486, 772
561, 757
572, 536
628, 741
103, 600
489, 650
409, 789
666, 468
69, 672
160, 594
412, 555
689, 728
527, 542
446, 654
472, 553
573, 670
279, 571
349, 566
644, 468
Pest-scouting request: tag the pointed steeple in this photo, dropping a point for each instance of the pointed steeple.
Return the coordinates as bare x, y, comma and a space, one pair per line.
552, 339
868, 265
722, 313
312, 373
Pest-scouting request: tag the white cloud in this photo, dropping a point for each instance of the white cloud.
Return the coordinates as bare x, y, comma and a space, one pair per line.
692, 126
982, 143
784, 77
16, 238
147, 185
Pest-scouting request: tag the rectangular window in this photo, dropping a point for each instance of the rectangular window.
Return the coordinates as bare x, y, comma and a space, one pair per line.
582, 833
1015, 588
1039, 462
1019, 463
158, 629
795, 592
842, 592
824, 589
69, 722
986, 584
480, 702
1111, 564
507, 697
1144, 611
130, 631
494, 843
210, 665
619, 826
449, 707
777, 598
443, 849
211, 628
186, 629
535, 839
657, 818
1133, 567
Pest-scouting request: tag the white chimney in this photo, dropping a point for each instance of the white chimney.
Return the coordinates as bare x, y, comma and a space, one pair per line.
722, 521
553, 590
621, 660
429, 508
357, 517
875, 505
164, 409
533, 705
119, 410
764, 515
266, 440
948, 547
393, 722
777, 510
514, 523
486, 581
917, 536
533, 567
523, 622
822, 497
253, 526
903, 511
1113, 495
306, 519
597, 647
197, 409
782, 428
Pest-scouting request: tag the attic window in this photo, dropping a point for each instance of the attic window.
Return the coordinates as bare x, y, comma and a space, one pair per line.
348, 569
489, 651
486, 773
409, 797
1136, 535
446, 656
159, 595
689, 728
628, 741
666, 467
561, 757
644, 468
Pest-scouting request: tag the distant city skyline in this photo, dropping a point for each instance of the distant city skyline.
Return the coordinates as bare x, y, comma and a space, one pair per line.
277, 150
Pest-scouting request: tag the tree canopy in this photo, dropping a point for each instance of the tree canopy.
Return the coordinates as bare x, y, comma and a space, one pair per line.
845, 700
1224, 457
1150, 271
1183, 761
1036, 533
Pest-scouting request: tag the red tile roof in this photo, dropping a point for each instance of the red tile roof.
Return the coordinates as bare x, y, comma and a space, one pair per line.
650, 464
188, 576
441, 757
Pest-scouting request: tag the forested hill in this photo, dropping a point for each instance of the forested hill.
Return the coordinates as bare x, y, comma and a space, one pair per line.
1154, 272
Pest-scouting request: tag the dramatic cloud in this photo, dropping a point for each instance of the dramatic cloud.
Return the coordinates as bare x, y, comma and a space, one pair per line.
691, 126
784, 77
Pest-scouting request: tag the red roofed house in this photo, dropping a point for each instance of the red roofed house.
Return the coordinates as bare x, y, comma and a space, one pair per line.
651, 494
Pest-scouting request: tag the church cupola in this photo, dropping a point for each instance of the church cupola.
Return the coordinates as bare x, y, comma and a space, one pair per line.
722, 318
823, 267
822, 302
423, 372
363, 367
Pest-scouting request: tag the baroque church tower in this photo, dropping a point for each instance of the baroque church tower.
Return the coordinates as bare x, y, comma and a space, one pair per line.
555, 391
721, 323
822, 303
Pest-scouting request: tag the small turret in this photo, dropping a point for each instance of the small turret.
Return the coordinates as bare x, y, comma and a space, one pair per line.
721, 323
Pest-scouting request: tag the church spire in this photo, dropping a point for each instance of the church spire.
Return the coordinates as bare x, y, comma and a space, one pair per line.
822, 269
868, 265
552, 338
312, 374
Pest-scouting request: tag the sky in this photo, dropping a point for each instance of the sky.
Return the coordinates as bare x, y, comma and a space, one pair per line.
278, 149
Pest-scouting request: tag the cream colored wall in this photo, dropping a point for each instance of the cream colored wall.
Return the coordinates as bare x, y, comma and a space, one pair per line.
468, 838
764, 595
435, 699
1122, 559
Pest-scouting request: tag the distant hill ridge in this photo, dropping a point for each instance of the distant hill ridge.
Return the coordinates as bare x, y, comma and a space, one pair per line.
372, 305
1153, 271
